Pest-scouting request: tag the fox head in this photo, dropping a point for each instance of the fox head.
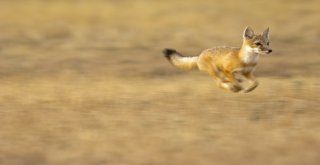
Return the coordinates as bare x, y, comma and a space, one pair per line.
256, 43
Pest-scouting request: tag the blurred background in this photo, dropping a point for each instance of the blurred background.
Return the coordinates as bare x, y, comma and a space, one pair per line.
85, 82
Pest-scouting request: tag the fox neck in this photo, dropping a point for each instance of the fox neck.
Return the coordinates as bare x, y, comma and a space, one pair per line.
248, 55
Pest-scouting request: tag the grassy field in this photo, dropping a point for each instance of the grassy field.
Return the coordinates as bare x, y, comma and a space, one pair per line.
84, 82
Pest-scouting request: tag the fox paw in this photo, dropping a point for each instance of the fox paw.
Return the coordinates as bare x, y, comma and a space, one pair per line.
239, 80
236, 88
247, 90
231, 87
251, 88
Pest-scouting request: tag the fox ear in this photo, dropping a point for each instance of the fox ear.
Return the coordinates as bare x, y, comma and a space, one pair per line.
248, 33
265, 34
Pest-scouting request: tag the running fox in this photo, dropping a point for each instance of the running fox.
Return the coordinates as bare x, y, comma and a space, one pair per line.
228, 66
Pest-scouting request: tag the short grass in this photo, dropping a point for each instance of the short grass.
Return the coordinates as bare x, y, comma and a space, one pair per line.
85, 83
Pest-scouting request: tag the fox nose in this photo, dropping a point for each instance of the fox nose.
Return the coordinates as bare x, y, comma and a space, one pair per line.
270, 50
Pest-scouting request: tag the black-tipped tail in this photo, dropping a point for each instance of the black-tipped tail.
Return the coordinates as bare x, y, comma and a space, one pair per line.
168, 52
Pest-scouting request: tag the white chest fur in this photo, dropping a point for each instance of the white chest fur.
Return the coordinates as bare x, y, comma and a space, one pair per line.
251, 55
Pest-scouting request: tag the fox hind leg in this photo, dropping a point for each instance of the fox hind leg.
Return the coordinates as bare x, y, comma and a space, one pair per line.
233, 83
219, 77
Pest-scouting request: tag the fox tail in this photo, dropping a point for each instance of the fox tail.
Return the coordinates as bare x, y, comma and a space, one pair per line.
180, 61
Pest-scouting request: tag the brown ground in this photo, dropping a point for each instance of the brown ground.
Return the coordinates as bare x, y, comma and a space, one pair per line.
84, 82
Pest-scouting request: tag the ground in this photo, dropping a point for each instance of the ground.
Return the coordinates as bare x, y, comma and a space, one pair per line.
84, 82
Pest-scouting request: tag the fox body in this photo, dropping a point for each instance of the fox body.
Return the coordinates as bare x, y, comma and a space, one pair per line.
228, 66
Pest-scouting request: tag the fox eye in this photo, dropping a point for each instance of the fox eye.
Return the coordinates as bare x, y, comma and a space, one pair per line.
258, 43
268, 43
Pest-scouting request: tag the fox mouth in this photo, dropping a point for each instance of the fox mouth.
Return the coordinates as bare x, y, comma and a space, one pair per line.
269, 51
266, 51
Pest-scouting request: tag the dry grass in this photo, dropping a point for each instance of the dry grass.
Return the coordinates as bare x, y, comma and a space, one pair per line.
85, 83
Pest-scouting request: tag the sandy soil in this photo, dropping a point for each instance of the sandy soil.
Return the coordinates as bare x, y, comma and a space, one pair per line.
85, 83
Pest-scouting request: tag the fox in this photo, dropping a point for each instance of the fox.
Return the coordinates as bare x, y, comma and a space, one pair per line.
228, 66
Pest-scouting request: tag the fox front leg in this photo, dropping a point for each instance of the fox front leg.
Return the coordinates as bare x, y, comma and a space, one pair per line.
238, 76
253, 83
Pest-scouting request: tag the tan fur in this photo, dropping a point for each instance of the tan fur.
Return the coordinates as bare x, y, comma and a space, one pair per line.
228, 66
186, 63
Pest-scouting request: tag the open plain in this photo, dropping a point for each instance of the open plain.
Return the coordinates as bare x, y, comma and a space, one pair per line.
85, 82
